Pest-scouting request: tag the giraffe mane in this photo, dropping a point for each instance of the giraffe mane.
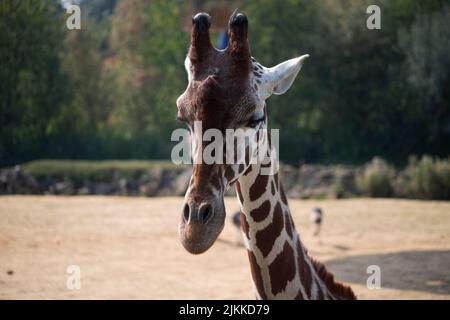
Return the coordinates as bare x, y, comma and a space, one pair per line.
337, 289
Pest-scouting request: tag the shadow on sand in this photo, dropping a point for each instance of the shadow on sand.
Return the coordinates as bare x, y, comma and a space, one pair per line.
427, 271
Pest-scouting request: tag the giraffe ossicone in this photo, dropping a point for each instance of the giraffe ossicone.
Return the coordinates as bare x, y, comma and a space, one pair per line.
227, 89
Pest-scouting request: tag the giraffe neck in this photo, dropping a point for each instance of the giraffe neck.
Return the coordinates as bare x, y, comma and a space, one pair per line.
279, 263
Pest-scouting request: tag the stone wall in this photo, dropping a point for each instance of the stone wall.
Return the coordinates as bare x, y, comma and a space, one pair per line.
308, 181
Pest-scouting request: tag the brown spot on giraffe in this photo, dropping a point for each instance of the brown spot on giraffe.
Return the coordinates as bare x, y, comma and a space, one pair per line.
249, 169
259, 187
256, 275
282, 269
283, 195
304, 270
266, 237
261, 213
288, 226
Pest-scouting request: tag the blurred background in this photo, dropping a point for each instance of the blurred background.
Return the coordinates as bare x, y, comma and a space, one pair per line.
91, 111
108, 91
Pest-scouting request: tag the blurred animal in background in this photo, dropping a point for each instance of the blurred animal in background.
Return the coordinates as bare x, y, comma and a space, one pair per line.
237, 223
316, 217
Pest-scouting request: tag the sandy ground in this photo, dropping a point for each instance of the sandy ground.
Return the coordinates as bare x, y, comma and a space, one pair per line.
127, 248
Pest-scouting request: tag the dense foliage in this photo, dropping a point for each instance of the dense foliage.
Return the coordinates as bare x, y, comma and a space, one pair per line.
109, 89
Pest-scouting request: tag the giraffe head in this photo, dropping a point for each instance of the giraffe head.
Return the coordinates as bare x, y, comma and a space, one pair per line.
227, 89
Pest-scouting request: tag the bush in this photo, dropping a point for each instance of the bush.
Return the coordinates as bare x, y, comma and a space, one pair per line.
376, 178
427, 178
96, 171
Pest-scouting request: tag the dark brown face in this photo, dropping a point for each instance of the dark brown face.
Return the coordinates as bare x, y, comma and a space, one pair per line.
218, 96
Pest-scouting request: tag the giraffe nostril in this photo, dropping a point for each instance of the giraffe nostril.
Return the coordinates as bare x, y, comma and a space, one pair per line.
186, 211
205, 213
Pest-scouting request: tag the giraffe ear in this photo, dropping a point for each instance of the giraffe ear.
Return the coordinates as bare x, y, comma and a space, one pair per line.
283, 75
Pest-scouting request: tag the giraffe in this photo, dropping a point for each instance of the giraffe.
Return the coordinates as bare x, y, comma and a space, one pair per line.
228, 89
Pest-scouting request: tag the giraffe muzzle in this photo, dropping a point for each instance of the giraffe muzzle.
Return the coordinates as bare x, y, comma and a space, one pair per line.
201, 224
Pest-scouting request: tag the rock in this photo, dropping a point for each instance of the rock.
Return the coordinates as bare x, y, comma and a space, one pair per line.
64, 187
14, 181
102, 188
307, 181
181, 182
319, 181
83, 191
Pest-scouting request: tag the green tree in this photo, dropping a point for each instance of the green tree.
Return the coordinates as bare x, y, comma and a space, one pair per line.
427, 48
352, 100
149, 47
31, 82
74, 131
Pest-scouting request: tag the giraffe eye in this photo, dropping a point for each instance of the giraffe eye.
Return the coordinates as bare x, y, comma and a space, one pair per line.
181, 119
258, 117
254, 122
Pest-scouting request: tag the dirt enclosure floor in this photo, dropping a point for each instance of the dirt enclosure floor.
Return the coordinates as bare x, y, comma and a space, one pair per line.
127, 248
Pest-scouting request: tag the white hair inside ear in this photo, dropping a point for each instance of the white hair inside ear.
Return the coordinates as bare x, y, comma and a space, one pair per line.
283, 75
187, 66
